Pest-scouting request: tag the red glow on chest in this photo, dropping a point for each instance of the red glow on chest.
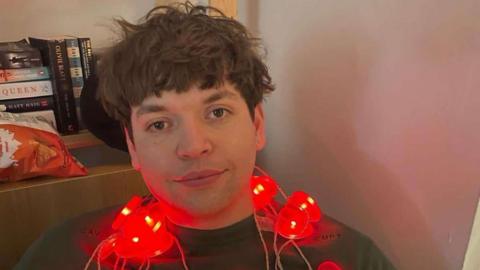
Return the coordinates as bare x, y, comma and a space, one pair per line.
293, 223
295, 218
263, 190
328, 265
141, 232
303, 201
127, 210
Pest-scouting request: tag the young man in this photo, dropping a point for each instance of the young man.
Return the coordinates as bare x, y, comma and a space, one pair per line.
188, 89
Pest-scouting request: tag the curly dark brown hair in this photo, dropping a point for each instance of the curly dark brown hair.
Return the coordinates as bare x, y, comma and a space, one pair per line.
174, 48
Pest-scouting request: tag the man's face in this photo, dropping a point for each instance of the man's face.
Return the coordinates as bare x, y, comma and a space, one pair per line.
196, 150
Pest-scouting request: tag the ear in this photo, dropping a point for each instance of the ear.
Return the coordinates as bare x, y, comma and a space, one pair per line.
132, 150
259, 123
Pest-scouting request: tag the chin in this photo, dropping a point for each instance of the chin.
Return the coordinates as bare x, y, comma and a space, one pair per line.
204, 209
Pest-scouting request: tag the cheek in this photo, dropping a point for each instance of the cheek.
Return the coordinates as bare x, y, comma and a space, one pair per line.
243, 147
154, 158
155, 170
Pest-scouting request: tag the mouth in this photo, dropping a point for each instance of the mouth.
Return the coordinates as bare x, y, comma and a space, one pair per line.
200, 178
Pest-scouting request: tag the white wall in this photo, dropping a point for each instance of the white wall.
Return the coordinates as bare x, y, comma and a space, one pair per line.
377, 112
22, 18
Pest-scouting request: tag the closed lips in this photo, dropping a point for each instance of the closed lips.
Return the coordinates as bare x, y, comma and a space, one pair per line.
199, 175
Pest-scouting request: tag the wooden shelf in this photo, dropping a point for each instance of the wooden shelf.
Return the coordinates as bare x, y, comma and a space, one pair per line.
83, 139
31, 206
93, 172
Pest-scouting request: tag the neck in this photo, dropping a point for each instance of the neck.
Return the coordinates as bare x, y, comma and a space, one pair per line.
233, 213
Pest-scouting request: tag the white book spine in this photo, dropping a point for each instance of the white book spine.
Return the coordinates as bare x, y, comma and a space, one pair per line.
25, 89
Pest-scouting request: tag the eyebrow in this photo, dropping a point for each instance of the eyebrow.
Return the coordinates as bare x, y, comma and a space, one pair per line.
220, 95
149, 108
155, 108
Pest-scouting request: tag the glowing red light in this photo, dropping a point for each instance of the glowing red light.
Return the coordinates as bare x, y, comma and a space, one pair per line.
293, 223
133, 204
328, 265
304, 202
142, 235
263, 189
126, 211
149, 220
157, 226
145, 247
155, 212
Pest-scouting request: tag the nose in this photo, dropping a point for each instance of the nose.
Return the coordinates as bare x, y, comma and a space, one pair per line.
193, 141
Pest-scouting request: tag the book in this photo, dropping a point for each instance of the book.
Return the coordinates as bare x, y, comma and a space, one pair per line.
75, 63
54, 55
76, 73
27, 104
25, 89
24, 74
19, 54
87, 57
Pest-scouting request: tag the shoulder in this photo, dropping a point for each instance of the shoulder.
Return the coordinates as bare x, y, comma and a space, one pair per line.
334, 233
349, 248
69, 245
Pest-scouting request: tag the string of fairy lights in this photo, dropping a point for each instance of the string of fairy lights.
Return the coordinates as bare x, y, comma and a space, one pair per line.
140, 232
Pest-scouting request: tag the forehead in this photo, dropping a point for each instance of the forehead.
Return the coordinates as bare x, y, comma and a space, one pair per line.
172, 101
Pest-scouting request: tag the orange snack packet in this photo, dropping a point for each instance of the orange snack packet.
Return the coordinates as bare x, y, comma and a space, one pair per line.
30, 146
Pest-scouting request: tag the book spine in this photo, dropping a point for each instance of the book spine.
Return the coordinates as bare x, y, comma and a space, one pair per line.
27, 104
75, 63
24, 74
25, 89
54, 53
76, 72
88, 62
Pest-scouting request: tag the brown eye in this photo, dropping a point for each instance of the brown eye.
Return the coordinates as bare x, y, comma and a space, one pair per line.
159, 125
218, 113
